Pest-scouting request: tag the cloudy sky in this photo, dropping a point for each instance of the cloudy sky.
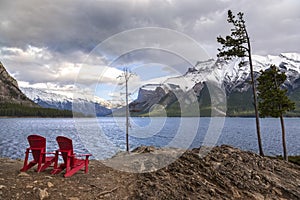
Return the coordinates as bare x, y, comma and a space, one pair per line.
48, 43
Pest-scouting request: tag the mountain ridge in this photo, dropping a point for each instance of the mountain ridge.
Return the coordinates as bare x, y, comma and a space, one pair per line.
10, 92
48, 99
14, 103
227, 75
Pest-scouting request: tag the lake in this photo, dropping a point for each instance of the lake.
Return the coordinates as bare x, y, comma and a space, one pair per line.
105, 136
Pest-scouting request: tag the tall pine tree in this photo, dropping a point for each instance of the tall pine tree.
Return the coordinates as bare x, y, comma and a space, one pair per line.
238, 45
273, 100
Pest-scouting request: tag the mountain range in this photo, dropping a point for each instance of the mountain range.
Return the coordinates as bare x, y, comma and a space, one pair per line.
49, 99
14, 103
228, 75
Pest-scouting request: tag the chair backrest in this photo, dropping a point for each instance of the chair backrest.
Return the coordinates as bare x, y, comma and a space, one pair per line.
38, 145
65, 146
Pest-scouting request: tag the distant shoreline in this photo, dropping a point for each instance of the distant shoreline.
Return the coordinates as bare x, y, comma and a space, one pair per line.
144, 149
6, 117
68, 117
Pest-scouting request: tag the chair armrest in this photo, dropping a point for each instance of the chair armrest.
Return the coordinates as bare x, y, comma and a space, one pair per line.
82, 155
58, 152
49, 152
53, 152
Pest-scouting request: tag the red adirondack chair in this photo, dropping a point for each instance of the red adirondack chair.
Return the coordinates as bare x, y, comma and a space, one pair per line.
71, 163
37, 148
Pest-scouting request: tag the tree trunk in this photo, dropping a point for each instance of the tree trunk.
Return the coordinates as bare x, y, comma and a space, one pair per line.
254, 98
285, 157
127, 116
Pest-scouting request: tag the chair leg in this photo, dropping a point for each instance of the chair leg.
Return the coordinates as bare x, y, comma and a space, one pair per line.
27, 167
68, 165
39, 168
86, 165
73, 170
46, 164
57, 169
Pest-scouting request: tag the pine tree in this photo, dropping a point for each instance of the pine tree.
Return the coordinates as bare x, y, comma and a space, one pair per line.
273, 100
238, 45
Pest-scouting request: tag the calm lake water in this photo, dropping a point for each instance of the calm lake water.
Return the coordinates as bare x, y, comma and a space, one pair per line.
103, 137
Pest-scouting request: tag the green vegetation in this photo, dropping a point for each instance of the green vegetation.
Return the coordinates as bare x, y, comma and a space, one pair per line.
245, 109
292, 159
295, 97
239, 104
237, 44
18, 110
273, 100
236, 108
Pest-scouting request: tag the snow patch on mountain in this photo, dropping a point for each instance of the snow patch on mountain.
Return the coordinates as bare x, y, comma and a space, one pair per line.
236, 77
52, 96
49, 99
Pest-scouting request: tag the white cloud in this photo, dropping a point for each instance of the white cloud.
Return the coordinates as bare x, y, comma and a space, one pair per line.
31, 53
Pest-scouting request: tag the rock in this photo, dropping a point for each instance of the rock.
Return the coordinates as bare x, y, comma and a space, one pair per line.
41, 194
212, 192
50, 184
257, 196
277, 191
23, 174
224, 173
29, 186
73, 198
235, 193
144, 149
2, 186
10, 91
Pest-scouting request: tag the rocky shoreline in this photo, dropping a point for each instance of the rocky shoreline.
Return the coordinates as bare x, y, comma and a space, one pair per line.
225, 173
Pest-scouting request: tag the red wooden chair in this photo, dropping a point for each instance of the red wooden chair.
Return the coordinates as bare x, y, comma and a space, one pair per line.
37, 148
71, 163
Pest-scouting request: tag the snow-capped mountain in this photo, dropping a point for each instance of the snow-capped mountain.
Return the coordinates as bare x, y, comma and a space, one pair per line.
238, 78
227, 74
235, 77
48, 99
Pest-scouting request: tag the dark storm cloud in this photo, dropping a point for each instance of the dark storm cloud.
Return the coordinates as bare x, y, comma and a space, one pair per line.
59, 25
70, 25
65, 31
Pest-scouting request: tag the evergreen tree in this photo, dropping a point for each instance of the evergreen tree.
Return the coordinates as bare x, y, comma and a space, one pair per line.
238, 45
273, 100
